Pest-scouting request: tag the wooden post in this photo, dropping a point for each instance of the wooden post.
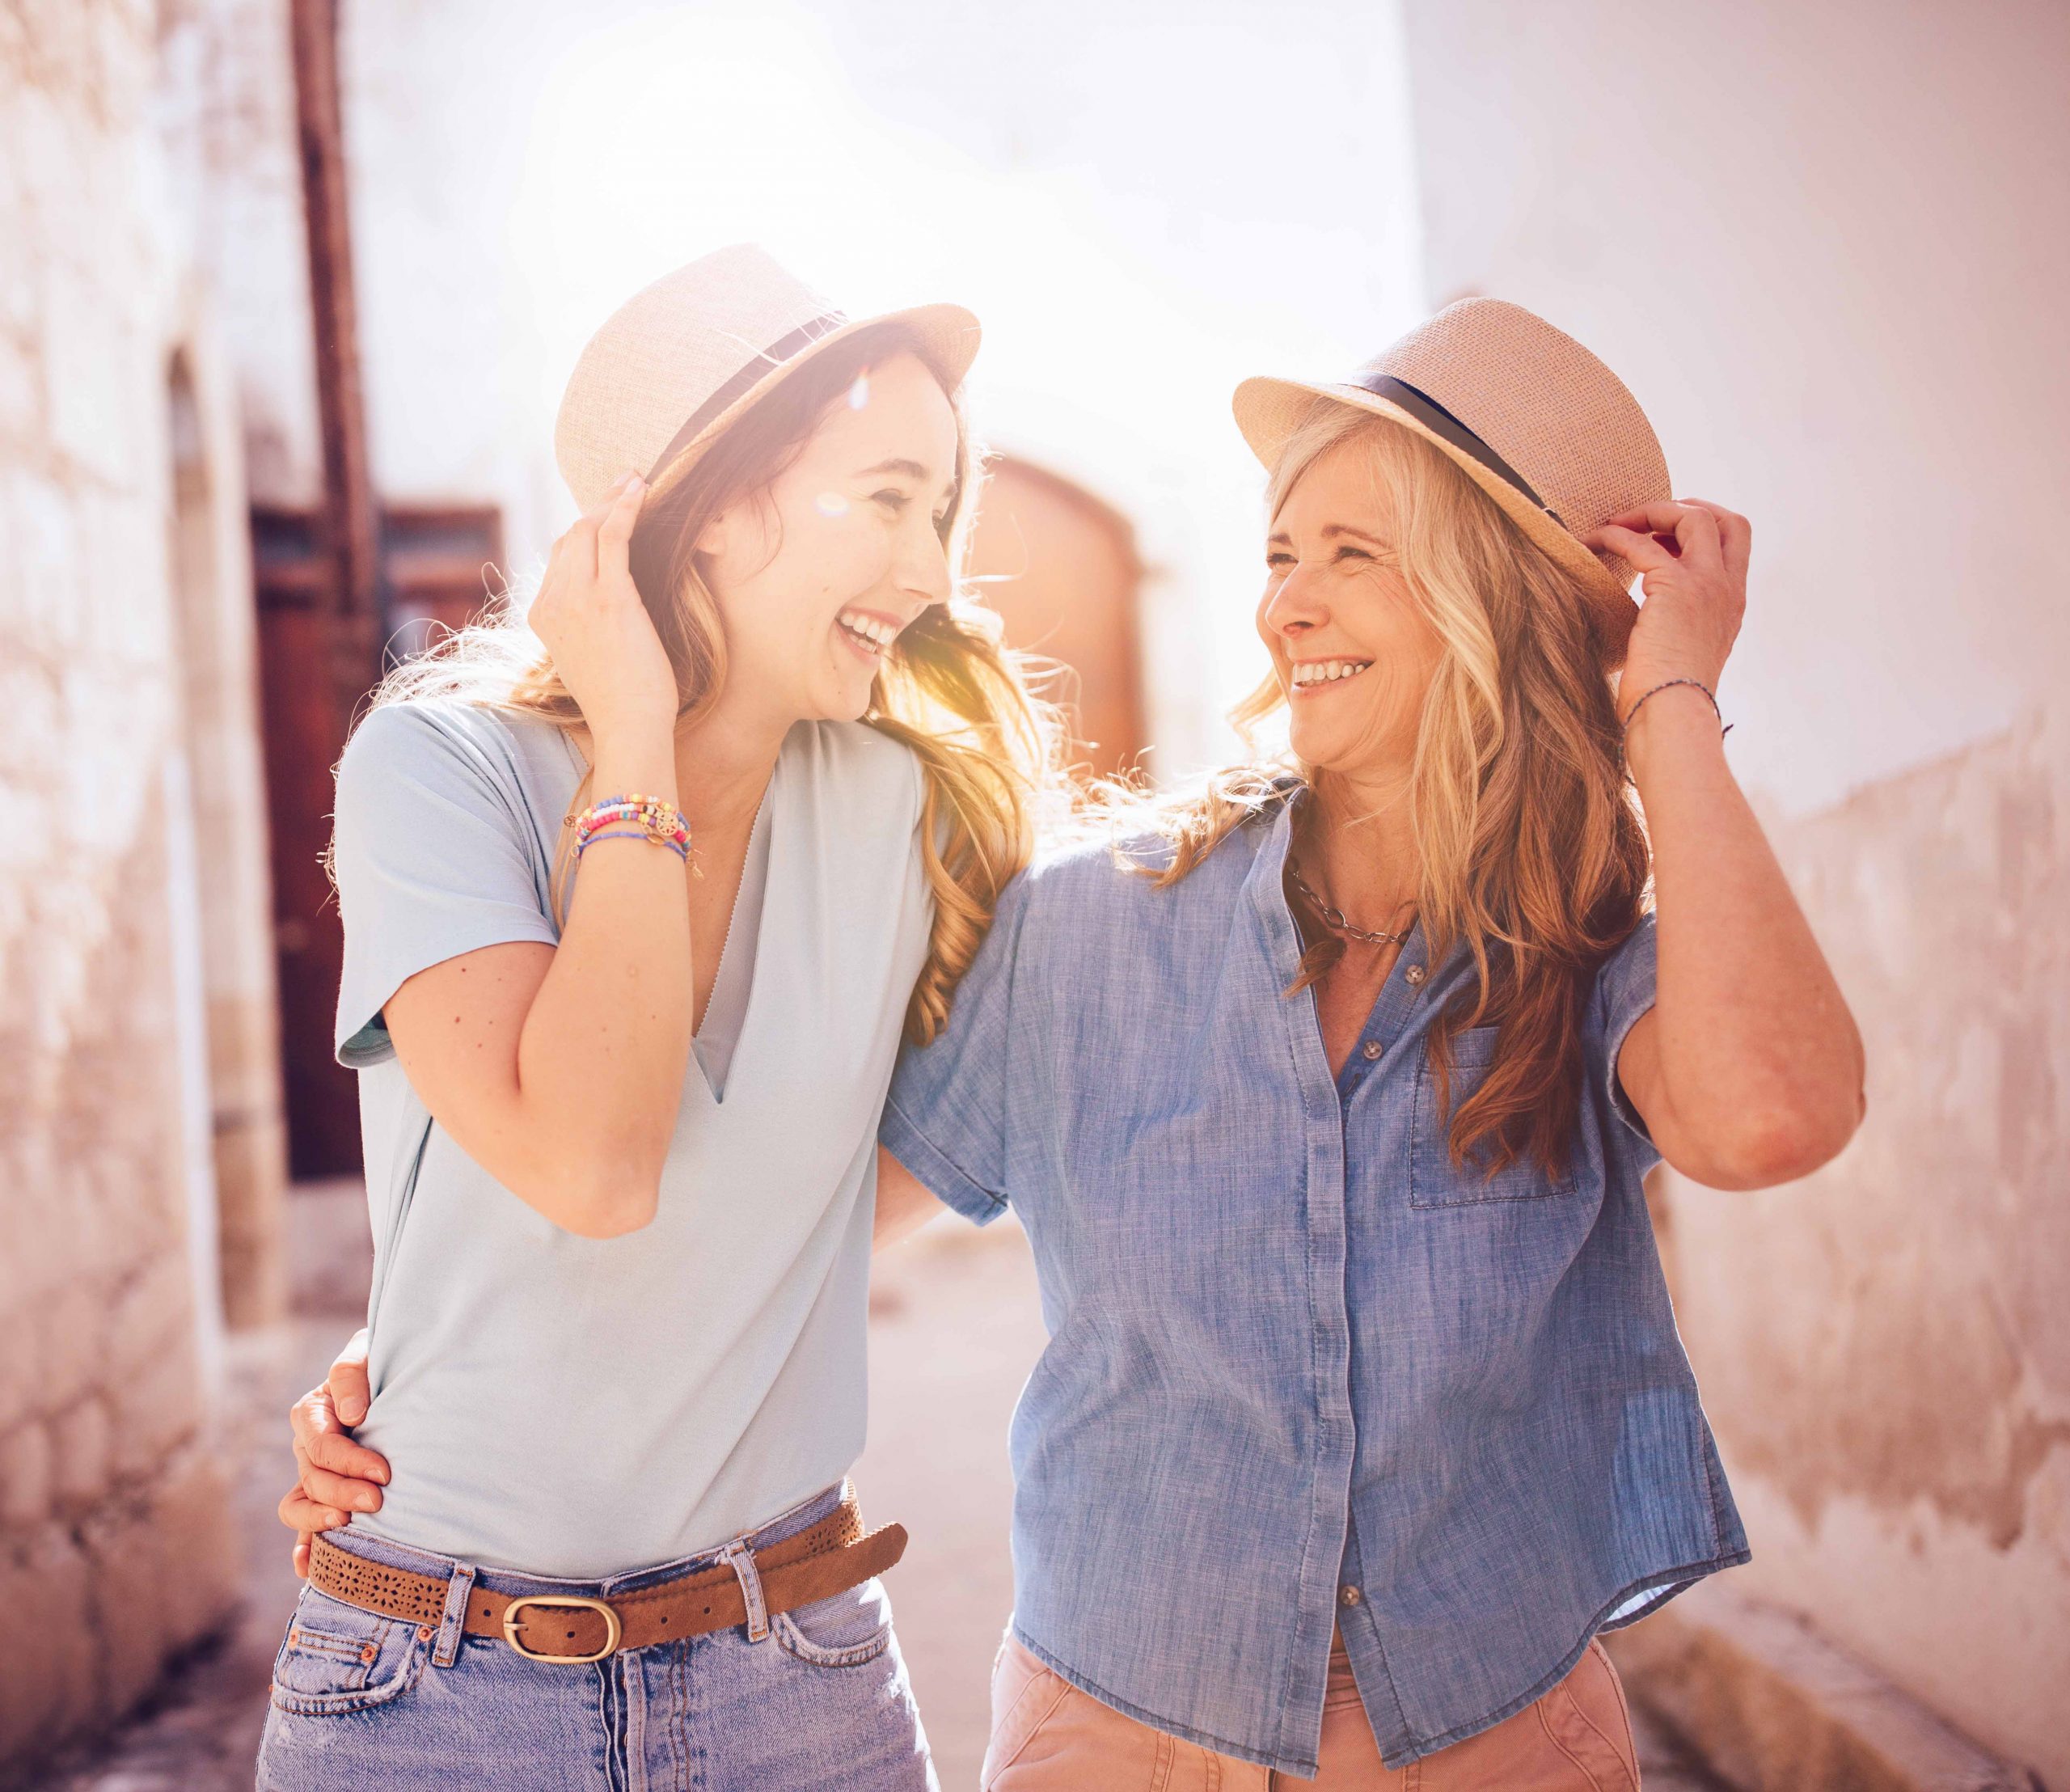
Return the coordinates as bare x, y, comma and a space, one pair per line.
350, 530
320, 631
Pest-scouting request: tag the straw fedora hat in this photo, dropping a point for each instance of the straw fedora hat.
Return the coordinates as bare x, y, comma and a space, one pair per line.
681, 359
1538, 423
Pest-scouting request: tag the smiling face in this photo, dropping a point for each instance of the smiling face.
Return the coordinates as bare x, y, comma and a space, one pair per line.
817, 574
1352, 647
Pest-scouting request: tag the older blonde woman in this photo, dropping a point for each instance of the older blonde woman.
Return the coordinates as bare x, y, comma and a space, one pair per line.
1326, 1110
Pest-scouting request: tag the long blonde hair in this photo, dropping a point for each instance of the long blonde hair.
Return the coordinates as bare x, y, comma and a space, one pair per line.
949, 688
1530, 849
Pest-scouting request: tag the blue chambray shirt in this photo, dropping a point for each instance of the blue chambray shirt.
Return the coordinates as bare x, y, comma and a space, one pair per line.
1302, 1372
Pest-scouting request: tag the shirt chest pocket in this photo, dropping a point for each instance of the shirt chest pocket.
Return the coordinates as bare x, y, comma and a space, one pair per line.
1434, 1180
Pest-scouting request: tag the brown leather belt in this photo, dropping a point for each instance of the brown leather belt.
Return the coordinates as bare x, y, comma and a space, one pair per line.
829, 1557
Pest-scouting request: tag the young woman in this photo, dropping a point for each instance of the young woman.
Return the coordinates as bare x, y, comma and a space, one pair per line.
1326, 1103
619, 916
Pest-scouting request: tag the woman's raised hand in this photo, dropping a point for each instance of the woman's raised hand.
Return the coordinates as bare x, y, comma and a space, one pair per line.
1691, 558
590, 618
334, 1476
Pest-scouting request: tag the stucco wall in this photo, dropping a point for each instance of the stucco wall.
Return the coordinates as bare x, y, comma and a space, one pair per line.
1135, 245
225, 103
112, 1546
1827, 246
1885, 1348
216, 642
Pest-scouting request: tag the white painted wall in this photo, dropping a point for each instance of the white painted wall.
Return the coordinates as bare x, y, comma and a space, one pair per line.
1145, 204
1828, 247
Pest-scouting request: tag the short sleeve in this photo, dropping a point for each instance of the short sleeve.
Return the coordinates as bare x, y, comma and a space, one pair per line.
945, 1119
432, 859
1623, 992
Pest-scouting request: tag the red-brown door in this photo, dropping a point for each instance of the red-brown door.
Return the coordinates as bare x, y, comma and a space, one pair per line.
432, 560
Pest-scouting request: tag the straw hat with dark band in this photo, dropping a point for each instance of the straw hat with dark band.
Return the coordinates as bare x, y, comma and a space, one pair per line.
1538, 423
678, 361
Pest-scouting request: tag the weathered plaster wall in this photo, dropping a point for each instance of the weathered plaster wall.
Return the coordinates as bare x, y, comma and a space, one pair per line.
1885, 1347
217, 648
225, 102
112, 1547
436, 99
518, 167
1828, 247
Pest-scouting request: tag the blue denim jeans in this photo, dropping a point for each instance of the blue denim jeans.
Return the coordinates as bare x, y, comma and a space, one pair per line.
360, 1700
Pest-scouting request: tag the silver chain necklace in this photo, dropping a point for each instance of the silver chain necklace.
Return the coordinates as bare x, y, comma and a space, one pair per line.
1334, 917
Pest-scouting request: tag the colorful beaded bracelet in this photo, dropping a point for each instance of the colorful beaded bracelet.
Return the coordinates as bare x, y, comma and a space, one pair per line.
654, 819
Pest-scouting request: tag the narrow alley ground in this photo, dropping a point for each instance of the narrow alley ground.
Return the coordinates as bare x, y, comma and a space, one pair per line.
954, 1331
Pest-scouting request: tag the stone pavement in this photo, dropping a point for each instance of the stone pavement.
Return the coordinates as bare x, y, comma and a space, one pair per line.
955, 1330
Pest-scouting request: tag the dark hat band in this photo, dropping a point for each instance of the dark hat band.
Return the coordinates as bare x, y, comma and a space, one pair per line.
742, 382
1440, 422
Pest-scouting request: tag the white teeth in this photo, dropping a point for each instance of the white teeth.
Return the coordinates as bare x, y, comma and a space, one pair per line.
1322, 671
877, 633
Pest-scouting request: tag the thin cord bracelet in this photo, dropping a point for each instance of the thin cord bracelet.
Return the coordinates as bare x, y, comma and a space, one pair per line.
1632, 715
589, 840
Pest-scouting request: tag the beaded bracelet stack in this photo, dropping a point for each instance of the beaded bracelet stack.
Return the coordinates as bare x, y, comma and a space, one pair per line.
649, 817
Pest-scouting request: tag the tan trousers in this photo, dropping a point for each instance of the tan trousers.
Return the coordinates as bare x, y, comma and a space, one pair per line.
1048, 1736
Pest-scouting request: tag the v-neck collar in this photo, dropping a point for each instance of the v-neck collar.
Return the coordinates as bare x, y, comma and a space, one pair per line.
1393, 1007
712, 1052
718, 1036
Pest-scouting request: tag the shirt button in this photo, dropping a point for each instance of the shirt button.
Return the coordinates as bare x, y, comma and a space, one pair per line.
1349, 1595
1370, 1051
1415, 975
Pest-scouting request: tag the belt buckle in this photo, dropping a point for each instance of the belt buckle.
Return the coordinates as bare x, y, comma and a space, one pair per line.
614, 1632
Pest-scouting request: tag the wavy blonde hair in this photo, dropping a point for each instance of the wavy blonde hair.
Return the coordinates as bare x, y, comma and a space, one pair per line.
1531, 848
949, 688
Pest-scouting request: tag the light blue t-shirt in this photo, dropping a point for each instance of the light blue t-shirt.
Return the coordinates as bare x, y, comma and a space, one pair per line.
578, 1407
